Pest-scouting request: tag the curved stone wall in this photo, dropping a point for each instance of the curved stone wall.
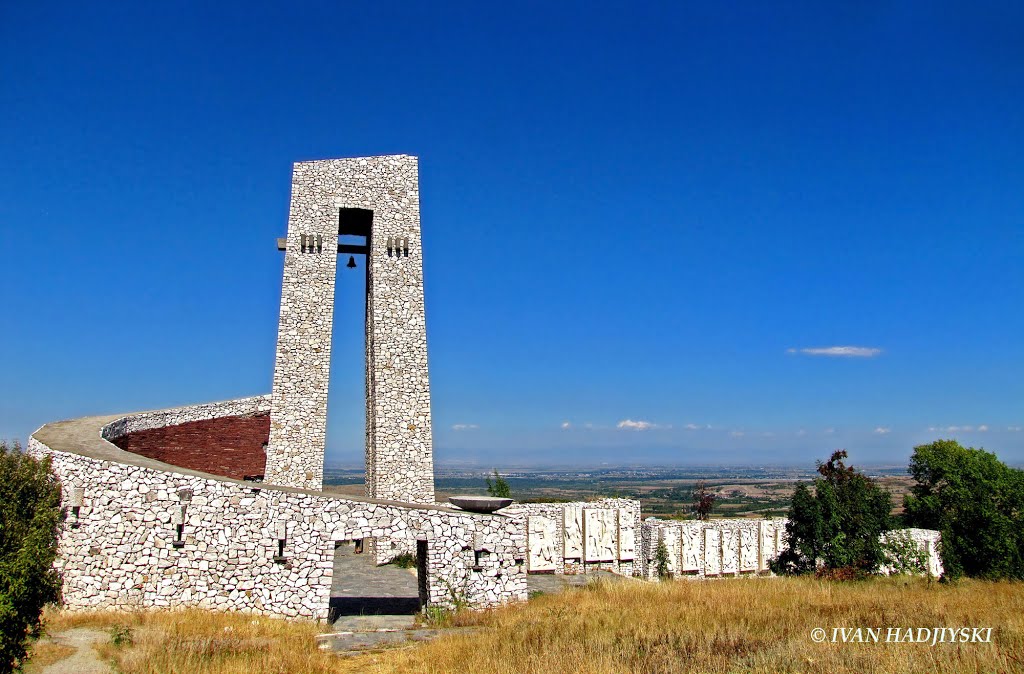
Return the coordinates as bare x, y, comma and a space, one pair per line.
141, 533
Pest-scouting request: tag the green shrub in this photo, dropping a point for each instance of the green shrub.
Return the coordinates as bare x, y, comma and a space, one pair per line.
976, 502
404, 561
29, 525
122, 635
903, 555
498, 487
661, 560
835, 523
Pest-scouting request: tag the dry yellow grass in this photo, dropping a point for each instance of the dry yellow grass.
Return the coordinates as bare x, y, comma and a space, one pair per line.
46, 653
759, 625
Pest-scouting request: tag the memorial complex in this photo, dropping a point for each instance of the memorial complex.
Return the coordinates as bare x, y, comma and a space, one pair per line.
221, 505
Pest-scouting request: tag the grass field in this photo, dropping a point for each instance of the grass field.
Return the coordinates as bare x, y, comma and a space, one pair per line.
755, 625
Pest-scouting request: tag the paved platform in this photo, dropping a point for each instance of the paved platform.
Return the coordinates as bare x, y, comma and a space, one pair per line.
361, 588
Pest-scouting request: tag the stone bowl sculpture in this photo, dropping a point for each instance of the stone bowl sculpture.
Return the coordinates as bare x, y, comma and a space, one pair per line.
480, 504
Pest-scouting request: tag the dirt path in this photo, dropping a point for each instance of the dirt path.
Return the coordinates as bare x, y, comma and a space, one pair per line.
84, 660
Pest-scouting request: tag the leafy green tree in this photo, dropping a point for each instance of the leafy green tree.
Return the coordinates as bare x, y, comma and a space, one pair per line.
835, 524
498, 487
29, 524
976, 502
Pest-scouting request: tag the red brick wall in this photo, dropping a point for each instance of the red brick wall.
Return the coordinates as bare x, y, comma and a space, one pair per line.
228, 446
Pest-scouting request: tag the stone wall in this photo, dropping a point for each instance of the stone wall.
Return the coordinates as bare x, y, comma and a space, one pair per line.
140, 533
927, 541
572, 538
715, 548
736, 547
382, 195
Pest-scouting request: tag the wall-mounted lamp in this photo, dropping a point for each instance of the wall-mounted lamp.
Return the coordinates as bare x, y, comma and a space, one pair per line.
76, 496
282, 540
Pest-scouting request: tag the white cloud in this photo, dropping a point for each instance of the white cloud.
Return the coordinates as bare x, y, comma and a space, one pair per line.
1014, 429
631, 425
464, 427
830, 431
692, 427
958, 429
566, 425
882, 430
839, 351
737, 434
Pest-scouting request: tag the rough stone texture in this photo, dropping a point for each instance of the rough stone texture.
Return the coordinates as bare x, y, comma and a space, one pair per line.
927, 540
621, 520
399, 454
144, 534
228, 446
735, 547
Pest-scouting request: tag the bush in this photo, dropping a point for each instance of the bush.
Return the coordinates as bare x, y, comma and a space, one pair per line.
837, 525
29, 525
498, 487
661, 560
406, 560
976, 502
903, 555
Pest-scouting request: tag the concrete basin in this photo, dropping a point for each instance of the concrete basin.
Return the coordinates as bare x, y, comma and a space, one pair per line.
480, 504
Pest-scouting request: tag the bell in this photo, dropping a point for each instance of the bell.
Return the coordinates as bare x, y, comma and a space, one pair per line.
351, 262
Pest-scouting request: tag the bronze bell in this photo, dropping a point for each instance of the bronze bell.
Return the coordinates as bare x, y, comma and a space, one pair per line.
351, 262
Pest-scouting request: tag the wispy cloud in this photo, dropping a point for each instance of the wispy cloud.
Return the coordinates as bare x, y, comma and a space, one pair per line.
958, 429
801, 433
637, 425
566, 425
1014, 429
464, 427
697, 427
838, 351
830, 431
883, 430
737, 434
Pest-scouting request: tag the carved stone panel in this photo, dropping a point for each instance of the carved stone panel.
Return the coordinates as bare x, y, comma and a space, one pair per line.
712, 552
766, 548
573, 519
540, 533
730, 550
748, 549
691, 535
599, 534
627, 537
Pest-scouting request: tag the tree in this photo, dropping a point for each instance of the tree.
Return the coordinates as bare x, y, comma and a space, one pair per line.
835, 524
29, 525
703, 500
976, 502
499, 487
661, 560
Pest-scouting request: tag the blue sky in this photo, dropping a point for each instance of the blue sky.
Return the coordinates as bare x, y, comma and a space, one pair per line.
637, 220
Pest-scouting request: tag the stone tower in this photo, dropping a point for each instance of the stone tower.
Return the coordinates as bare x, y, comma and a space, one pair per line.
375, 199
